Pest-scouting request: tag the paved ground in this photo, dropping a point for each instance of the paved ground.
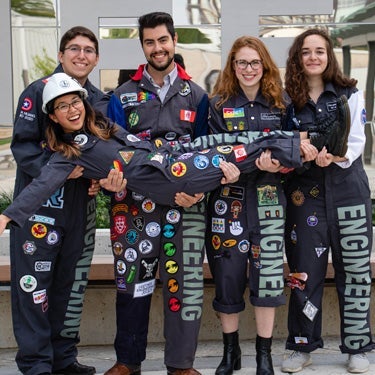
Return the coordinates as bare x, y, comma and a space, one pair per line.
328, 361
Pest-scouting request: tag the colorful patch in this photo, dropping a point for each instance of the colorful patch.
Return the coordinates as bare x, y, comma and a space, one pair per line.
297, 280
255, 251
121, 195
28, 283
129, 97
117, 248
244, 246
169, 249
119, 224
29, 247
43, 219
153, 229
233, 192
235, 208
133, 119
186, 115
131, 275
174, 304
39, 296
233, 112
185, 156
145, 247
217, 159
178, 169
173, 216
224, 149
148, 205
126, 155
220, 207
120, 267
27, 104
53, 237
169, 231
230, 243
122, 207
312, 221
217, 225
130, 255
171, 266
39, 230
120, 283
267, 195
201, 162
131, 236
240, 153
216, 242
173, 285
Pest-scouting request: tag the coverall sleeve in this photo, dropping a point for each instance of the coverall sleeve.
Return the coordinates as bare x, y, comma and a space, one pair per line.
111, 107
201, 122
356, 138
52, 176
28, 134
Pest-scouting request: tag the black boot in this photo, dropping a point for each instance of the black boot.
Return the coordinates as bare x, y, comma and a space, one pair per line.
263, 357
333, 130
232, 355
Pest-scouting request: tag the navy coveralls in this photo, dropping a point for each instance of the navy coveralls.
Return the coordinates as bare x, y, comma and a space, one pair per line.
330, 208
246, 219
180, 117
51, 252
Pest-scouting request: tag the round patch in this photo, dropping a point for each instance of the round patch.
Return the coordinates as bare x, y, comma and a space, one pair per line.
117, 248
169, 231
52, 238
244, 246
230, 242
172, 285
201, 162
39, 230
119, 196
120, 267
131, 236
178, 169
29, 247
312, 221
28, 283
170, 136
133, 118
169, 249
148, 205
185, 156
173, 216
145, 247
298, 198
171, 266
27, 104
81, 139
153, 229
130, 255
217, 159
220, 207
225, 149
174, 304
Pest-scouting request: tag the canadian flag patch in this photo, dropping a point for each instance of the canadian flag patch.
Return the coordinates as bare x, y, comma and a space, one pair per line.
186, 115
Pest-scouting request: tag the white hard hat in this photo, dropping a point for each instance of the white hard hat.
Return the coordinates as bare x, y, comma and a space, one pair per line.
60, 84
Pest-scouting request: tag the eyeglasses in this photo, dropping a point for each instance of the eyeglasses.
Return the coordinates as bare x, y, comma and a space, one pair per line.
243, 64
75, 50
64, 107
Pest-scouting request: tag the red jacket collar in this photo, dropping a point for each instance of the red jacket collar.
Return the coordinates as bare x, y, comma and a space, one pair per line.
180, 72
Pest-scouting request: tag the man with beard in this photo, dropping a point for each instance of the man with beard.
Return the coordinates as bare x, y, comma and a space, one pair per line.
159, 102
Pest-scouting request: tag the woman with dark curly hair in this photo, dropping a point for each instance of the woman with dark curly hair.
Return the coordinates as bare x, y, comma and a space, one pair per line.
246, 219
329, 206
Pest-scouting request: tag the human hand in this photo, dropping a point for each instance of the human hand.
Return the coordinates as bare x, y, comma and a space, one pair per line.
185, 200
324, 158
94, 188
76, 172
265, 162
308, 151
231, 173
4, 220
114, 182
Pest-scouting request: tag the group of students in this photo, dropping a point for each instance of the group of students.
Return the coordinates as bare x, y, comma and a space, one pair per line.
238, 172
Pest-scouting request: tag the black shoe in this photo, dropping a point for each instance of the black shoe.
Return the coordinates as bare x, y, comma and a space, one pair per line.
76, 368
333, 131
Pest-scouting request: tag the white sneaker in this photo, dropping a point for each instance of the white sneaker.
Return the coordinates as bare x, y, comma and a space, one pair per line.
358, 363
296, 362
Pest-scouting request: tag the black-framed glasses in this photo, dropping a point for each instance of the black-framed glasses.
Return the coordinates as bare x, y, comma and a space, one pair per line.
64, 107
243, 64
75, 50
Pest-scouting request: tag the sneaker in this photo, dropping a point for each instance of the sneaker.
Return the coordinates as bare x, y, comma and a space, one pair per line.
296, 362
358, 363
333, 131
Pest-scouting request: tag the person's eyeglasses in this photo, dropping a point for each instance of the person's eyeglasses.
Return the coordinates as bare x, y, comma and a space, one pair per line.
75, 50
64, 107
243, 64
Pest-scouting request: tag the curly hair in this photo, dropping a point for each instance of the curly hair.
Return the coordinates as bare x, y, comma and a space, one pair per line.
227, 84
95, 123
296, 83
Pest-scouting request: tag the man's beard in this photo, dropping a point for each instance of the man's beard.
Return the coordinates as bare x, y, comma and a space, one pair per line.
161, 68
